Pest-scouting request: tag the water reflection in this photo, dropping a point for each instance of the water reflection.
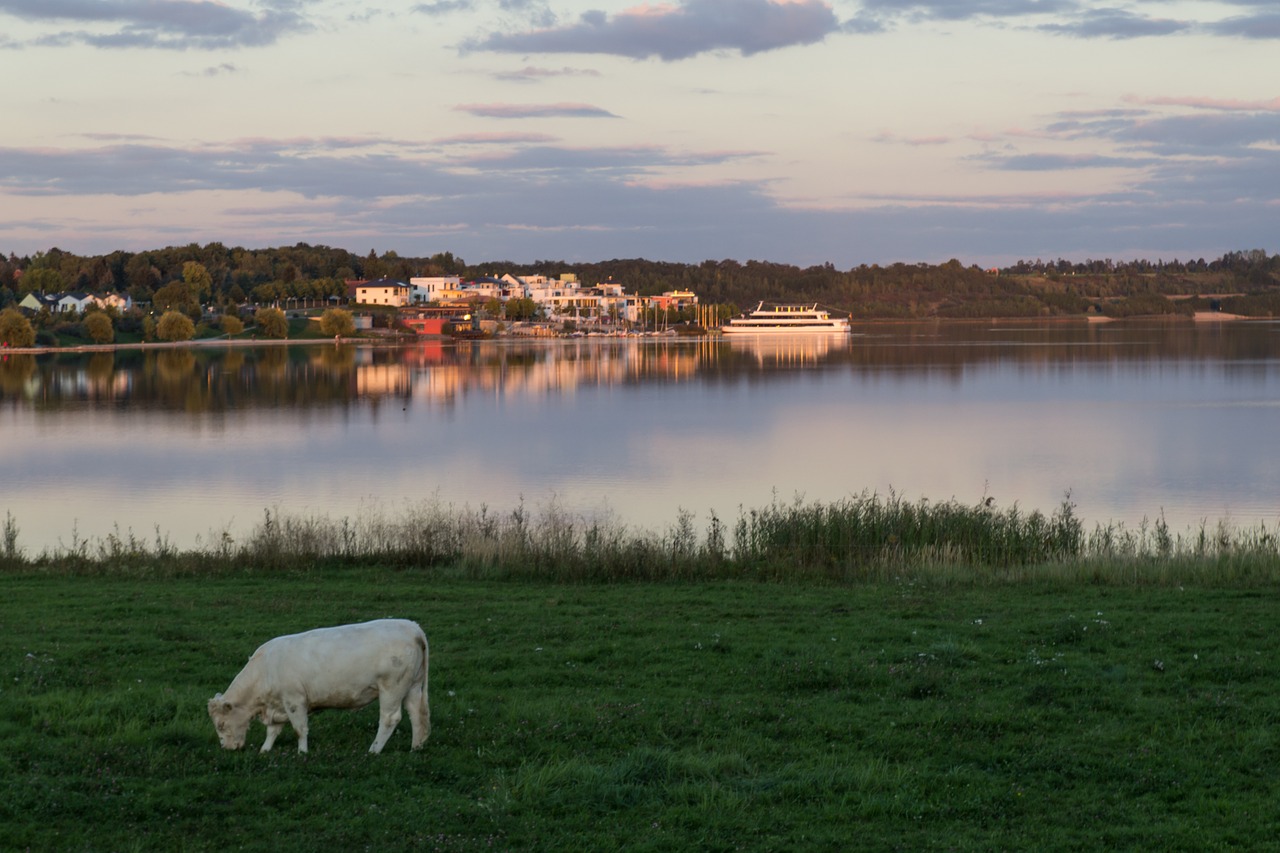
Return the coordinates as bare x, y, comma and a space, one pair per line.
1132, 418
199, 380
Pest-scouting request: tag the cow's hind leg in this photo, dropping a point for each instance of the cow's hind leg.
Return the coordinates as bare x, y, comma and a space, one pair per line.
419, 713
388, 719
298, 718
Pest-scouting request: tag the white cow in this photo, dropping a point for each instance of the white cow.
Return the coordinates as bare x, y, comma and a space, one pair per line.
347, 666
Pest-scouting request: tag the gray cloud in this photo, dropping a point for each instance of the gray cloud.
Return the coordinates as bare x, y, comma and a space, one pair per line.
444, 7
1263, 26
136, 169
494, 138
961, 10
626, 161
673, 32
1116, 24
1217, 134
1074, 18
169, 24
1061, 162
531, 74
1185, 168
534, 200
535, 110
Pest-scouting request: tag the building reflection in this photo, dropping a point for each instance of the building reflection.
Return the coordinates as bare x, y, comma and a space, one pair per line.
443, 372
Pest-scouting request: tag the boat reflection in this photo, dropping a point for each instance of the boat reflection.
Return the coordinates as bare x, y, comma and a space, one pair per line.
790, 350
439, 373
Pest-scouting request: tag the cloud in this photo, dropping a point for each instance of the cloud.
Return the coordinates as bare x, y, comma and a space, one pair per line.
1218, 135
1192, 183
1073, 18
321, 169
359, 168
628, 161
890, 138
1263, 26
1226, 104
1115, 24
444, 7
494, 138
1179, 165
532, 74
962, 10
1060, 162
214, 70
535, 110
679, 31
168, 24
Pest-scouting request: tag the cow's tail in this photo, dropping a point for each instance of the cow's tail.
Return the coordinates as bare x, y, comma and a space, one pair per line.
419, 697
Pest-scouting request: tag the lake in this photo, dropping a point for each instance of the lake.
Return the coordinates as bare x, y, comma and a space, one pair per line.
1132, 419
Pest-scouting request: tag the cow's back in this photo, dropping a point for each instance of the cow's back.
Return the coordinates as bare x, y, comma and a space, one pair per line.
343, 666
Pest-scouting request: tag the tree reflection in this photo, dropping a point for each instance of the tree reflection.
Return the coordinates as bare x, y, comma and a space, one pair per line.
198, 379
15, 372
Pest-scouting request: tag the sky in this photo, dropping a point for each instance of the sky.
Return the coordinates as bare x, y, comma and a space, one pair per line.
795, 131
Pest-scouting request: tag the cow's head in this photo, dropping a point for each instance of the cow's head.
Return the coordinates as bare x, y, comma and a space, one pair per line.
231, 722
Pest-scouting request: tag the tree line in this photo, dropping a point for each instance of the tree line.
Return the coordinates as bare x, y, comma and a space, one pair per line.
215, 274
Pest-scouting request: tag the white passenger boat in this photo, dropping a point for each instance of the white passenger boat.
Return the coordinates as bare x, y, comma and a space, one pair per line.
786, 319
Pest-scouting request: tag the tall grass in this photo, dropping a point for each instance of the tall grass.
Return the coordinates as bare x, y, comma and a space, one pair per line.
866, 537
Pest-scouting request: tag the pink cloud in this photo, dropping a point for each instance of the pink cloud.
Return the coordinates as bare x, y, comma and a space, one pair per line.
1203, 103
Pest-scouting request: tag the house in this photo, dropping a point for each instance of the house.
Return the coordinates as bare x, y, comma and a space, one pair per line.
429, 288
68, 302
120, 302
33, 302
674, 300
63, 303
383, 291
429, 321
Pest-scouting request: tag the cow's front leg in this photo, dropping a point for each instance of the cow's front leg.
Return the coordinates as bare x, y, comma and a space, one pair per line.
298, 718
273, 731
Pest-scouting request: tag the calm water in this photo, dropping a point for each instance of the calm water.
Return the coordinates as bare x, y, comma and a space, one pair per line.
1134, 419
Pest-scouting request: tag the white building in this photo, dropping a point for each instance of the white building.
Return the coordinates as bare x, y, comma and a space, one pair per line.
384, 291
430, 288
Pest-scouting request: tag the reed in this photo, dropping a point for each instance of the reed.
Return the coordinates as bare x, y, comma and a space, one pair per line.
867, 537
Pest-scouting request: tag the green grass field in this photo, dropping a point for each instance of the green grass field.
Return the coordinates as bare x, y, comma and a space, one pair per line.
712, 715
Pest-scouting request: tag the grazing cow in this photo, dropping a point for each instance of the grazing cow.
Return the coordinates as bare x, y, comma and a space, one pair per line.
347, 666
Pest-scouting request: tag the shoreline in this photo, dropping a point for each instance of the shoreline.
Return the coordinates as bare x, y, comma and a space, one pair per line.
1197, 317
209, 342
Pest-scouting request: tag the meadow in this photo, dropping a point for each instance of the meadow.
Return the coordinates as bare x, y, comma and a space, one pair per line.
1047, 702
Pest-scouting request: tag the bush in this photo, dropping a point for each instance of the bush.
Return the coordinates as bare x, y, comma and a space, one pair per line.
175, 326
271, 322
15, 329
337, 322
232, 325
98, 328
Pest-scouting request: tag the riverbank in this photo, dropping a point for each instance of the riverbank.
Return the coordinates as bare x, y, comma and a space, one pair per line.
192, 344
1198, 317
864, 539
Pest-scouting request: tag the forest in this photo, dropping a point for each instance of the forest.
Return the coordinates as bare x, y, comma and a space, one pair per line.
1240, 282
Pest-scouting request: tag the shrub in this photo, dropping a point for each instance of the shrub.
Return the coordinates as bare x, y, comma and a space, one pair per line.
175, 326
232, 325
336, 321
15, 329
271, 322
98, 327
